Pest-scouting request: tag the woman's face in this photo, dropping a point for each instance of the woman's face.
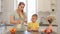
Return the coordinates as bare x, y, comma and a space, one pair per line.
21, 7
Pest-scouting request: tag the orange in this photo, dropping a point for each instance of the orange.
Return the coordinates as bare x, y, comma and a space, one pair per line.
13, 30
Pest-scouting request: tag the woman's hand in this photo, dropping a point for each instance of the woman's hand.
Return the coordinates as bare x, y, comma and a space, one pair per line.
2, 21
25, 20
29, 29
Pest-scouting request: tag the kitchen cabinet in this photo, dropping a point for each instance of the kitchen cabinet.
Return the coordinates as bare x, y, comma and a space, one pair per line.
46, 5
0, 5
53, 5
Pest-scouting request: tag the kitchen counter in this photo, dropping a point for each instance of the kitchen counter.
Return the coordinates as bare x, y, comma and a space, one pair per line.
48, 25
7, 27
26, 32
26, 25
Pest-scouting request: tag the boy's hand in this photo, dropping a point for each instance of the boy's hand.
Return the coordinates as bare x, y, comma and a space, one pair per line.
25, 20
29, 29
36, 29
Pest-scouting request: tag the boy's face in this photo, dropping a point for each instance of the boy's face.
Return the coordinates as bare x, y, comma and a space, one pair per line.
34, 18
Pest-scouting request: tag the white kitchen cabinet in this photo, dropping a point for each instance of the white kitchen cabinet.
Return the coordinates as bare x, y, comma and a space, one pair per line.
53, 5
0, 5
46, 5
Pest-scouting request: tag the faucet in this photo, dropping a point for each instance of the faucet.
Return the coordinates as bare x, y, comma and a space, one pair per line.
42, 20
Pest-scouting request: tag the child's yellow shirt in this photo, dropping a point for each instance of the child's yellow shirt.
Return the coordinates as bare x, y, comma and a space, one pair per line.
33, 26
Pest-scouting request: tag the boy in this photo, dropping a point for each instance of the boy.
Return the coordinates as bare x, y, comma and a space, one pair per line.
34, 25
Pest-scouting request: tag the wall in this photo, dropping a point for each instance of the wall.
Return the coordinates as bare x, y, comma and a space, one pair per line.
7, 9
58, 15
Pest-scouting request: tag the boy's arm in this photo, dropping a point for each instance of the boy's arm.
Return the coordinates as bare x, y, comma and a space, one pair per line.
37, 26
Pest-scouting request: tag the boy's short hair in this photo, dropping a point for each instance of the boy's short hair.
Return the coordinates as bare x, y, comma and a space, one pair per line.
35, 15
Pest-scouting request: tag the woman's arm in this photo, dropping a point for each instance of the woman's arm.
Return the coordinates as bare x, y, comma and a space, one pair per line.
29, 27
25, 17
25, 20
12, 21
2, 21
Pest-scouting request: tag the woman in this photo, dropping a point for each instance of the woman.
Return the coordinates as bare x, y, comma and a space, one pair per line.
18, 16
